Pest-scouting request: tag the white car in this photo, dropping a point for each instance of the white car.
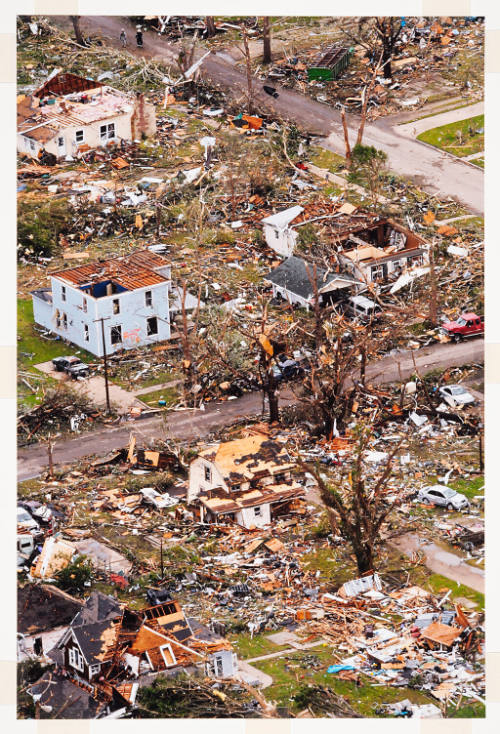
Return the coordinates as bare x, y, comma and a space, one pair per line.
456, 395
439, 495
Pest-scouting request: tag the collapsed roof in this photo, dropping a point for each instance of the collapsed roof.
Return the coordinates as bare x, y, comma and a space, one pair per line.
297, 276
246, 458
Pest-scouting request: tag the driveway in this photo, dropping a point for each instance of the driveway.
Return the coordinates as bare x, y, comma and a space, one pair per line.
95, 389
189, 424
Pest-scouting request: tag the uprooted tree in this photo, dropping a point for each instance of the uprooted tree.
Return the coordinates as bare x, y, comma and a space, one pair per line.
357, 505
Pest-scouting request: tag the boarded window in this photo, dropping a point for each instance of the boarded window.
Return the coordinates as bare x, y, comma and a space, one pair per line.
152, 326
116, 334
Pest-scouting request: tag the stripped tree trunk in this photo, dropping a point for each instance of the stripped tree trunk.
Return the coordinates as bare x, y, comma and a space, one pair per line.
266, 40
346, 138
75, 19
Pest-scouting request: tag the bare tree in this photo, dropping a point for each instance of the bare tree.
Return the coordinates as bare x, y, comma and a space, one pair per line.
248, 63
357, 508
266, 40
379, 36
75, 19
388, 31
260, 342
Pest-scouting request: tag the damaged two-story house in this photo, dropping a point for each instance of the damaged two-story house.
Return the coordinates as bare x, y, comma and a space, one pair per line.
369, 248
108, 651
123, 301
381, 251
248, 481
69, 115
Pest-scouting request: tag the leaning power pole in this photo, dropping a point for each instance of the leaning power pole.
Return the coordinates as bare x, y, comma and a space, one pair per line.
105, 358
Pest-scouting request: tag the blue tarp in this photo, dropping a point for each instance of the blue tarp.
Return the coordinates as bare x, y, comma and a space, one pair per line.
338, 668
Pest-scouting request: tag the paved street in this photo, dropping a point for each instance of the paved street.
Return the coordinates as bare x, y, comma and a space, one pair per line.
196, 424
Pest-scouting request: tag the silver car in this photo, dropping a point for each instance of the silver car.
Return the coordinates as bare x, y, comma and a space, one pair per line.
444, 497
456, 395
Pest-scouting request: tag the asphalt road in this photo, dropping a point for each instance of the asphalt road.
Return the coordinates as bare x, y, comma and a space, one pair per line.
435, 171
196, 424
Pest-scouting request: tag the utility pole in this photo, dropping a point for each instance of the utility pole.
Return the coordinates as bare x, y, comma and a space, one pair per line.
102, 320
161, 559
51, 461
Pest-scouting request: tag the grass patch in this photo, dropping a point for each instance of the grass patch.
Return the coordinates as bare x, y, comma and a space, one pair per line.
30, 342
459, 138
169, 394
32, 349
440, 585
247, 647
478, 162
469, 487
331, 568
291, 672
326, 159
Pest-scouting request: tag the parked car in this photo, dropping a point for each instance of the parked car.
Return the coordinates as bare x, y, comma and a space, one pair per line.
468, 324
73, 366
27, 524
363, 308
443, 497
456, 395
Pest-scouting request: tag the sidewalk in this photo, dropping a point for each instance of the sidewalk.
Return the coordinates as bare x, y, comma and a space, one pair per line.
413, 129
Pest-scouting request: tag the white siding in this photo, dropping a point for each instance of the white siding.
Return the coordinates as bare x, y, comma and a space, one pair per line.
248, 518
42, 312
197, 482
289, 296
132, 317
281, 241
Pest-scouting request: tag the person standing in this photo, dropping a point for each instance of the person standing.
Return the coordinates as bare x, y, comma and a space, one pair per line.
123, 38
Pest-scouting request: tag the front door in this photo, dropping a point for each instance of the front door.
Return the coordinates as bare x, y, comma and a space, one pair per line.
61, 147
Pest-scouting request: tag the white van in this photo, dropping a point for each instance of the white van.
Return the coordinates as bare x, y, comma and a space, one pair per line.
363, 308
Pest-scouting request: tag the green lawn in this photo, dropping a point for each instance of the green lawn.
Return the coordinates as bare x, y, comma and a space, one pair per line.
469, 487
169, 394
326, 159
446, 137
478, 162
291, 672
247, 647
32, 349
440, 584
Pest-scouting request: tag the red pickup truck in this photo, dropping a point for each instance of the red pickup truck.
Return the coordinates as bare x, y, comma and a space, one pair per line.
468, 324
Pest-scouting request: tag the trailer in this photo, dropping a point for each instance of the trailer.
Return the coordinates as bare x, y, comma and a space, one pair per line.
330, 64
